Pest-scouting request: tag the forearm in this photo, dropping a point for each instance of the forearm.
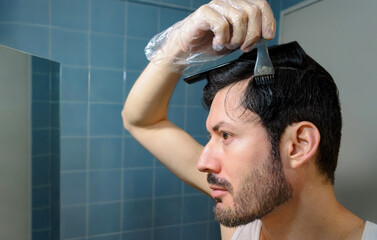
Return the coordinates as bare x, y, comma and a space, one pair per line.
147, 102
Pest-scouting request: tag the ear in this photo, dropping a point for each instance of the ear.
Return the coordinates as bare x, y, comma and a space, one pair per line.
301, 142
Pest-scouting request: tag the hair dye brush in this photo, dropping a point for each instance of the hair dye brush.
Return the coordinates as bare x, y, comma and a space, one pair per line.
264, 72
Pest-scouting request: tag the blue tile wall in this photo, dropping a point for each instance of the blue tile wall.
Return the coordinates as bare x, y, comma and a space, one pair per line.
135, 155
197, 3
195, 93
106, 51
194, 231
176, 115
167, 211
137, 214
40, 86
40, 114
73, 153
167, 233
182, 3
166, 183
41, 234
41, 170
41, 197
107, 18
73, 221
41, 219
214, 231
169, 16
289, 3
74, 84
31, 11
105, 119
70, 47
104, 218
133, 179
106, 85
197, 124
78, 15
73, 188
107, 237
146, 19
135, 58
104, 185
45, 149
194, 210
105, 153
32, 39
179, 95
73, 119
143, 234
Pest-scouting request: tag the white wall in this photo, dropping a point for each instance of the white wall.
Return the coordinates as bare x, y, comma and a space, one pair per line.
341, 35
15, 152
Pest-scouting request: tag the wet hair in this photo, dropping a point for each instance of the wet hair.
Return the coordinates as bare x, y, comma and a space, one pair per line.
303, 91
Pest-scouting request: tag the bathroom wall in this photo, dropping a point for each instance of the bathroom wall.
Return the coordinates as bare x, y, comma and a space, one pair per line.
110, 187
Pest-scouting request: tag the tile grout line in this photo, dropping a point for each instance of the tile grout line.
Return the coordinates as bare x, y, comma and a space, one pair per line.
88, 123
123, 153
162, 4
50, 145
130, 200
49, 55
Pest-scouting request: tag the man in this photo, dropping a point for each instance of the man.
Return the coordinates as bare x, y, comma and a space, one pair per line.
273, 148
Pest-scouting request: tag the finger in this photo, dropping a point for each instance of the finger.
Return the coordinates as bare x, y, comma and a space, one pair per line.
210, 19
238, 20
253, 26
268, 20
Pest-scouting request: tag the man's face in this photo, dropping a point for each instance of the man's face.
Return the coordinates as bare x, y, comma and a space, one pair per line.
246, 178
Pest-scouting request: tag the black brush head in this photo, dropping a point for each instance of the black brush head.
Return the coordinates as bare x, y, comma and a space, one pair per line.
264, 79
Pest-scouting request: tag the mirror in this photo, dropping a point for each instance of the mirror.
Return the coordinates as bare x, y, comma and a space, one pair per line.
29, 146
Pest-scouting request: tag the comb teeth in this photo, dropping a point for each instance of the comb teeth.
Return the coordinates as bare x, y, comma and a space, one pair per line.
264, 79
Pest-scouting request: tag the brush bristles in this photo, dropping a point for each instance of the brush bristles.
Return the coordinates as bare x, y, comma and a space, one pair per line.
264, 79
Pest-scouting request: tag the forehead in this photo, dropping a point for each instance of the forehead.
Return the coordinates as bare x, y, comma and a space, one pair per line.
227, 107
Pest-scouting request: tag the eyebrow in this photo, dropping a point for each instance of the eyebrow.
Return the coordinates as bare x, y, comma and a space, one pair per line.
218, 125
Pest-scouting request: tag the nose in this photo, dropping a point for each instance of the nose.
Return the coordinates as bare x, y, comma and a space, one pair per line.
208, 160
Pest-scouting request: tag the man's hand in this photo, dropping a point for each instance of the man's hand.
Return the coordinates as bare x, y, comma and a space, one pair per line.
214, 30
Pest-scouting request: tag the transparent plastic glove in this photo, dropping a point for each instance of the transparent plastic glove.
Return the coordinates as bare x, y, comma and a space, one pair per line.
214, 30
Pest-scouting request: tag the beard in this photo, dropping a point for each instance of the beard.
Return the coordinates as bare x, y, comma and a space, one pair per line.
260, 192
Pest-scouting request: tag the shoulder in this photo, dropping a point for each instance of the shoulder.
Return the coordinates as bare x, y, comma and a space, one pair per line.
370, 231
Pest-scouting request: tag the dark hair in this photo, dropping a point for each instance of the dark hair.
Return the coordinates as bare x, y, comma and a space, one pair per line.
303, 91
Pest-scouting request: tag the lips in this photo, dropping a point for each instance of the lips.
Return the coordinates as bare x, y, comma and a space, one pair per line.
217, 192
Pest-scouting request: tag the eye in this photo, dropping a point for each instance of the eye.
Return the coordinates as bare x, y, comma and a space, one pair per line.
225, 135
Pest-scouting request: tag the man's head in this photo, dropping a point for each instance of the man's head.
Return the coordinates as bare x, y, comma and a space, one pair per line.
303, 93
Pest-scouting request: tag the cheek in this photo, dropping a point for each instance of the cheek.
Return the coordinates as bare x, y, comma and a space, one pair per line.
244, 158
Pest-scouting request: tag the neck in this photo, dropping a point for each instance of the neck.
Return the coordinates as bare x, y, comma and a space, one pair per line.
314, 213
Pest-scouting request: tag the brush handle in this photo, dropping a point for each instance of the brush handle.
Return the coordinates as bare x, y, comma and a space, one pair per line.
263, 65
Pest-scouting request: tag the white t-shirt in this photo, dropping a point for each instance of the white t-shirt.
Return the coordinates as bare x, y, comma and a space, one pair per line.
251, 231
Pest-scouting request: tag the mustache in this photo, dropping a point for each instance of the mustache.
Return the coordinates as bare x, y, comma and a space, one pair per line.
220, 182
